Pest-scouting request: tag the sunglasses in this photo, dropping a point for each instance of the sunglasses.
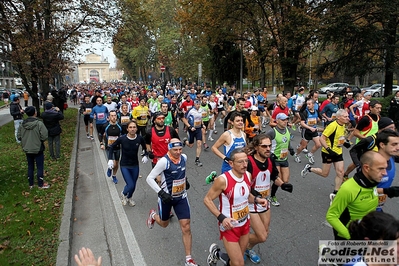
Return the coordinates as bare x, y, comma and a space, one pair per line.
160, 118
265, 146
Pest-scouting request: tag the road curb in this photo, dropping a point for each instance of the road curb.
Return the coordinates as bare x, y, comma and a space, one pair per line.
65, 237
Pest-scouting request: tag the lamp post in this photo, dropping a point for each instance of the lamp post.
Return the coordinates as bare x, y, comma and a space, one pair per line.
2, 67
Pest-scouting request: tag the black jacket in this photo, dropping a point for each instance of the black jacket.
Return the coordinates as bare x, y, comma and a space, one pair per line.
15, 110
51, 120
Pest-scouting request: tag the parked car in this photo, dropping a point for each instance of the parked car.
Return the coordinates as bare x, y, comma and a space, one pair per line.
372, 87
353, 88
377, 92
333, 87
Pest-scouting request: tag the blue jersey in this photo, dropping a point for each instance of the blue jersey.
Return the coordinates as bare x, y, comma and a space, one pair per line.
290, 103
173, 178
236, 143
386, 182
101, 113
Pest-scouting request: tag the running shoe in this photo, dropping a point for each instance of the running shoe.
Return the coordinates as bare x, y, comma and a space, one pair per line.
215, 132
213, 256
209, 179
273, 200
310, 158
45, 186
91, 138
109, 172
293, 127
190, 262
150, 219
184, 142
206, 147
115, 180
131, 202
210, 139
305, 170
123, 199
252, 255
87, 136
198, 163
297, 158
305, 150
220, 121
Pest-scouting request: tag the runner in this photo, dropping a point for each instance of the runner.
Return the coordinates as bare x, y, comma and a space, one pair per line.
205, 108
100, 114
172, 193
141, 114
281, 145
230, 140
193, 121
129, 162
86, 109
262, 167
124, 117
212, 117
233, 211
332, 141
112, 132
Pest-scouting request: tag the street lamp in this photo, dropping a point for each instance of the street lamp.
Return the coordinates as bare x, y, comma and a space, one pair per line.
3, 67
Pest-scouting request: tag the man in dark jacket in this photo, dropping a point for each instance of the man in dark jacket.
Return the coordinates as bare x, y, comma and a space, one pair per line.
32, 133
17, 113
51, 119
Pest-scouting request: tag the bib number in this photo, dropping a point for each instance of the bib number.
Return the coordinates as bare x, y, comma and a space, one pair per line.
178, 187
111, 140
283, 153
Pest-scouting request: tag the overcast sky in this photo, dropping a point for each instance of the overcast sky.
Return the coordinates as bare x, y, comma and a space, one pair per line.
101, 49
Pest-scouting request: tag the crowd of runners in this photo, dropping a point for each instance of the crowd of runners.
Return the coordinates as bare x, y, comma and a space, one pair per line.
136, 122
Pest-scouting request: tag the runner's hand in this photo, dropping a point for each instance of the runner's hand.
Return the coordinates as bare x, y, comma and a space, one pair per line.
144, 159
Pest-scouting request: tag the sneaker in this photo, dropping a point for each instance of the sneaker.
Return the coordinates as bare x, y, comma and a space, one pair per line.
210, 139
131, 202
215, 132
297, 158
87, 136
209, 179
190, 262
206, 147
109, 172
198, 163
45, 186
91, 138
213, 256
123, 199
310, 158
115, 180
184, 142
220, 121
252, 255
305, 150
332, 196
150, 219
273, 200
291, 137
293, 127
305, 170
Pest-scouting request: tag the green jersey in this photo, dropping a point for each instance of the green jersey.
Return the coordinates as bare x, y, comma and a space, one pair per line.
281, 144
205, 112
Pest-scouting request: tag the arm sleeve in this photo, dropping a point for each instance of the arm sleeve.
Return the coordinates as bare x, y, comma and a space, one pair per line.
271, 133
173, 133
275, 172
226, 121
251, 124
358, 149
338, 206
156, 171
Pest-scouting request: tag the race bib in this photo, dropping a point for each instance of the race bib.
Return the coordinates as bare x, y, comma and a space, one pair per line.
178, 187
124, 119
381, 199
240, 212
111, 140
283, 153
197, 124
341, 141
263, 190
88, 110
312, 121
333, 116
204, 114
100, 116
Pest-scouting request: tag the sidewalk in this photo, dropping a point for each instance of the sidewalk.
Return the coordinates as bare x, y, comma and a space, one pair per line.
92, 215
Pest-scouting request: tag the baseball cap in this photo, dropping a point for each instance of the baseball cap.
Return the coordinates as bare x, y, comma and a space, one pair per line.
254, 108
281, 116
367, 93
384, 122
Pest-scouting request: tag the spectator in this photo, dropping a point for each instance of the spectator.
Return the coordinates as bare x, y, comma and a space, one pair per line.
17, 113
51, 119
26, 98
32, 134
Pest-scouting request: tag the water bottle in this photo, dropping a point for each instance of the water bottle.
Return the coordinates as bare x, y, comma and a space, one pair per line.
234, 223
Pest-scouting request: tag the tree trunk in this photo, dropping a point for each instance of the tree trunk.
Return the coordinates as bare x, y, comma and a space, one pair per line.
289, 64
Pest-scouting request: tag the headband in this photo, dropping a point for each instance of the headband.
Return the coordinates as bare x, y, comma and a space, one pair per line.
174, 145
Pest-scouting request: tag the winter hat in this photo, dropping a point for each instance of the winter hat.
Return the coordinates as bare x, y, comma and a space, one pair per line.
30, 110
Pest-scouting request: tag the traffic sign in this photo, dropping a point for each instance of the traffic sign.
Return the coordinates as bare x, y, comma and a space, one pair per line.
163, 68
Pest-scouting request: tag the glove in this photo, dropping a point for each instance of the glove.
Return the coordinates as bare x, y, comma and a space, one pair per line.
392, 191
227, 159
110, 164
331, 152
144, 159
347, 144
287, 187
187, 185
151, 155
292, 152
165, 197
